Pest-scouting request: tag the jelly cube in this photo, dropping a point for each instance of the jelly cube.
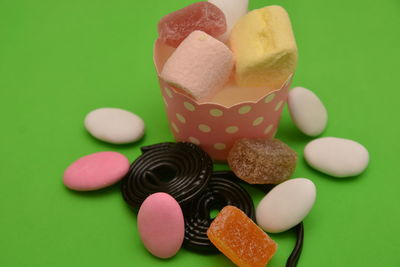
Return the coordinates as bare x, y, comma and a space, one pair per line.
240, 239
204, 16
262, 161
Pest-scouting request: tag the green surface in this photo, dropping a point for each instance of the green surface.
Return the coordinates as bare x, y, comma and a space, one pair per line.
61, 59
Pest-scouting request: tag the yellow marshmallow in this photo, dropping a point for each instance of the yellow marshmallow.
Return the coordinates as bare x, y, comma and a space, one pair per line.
264, 48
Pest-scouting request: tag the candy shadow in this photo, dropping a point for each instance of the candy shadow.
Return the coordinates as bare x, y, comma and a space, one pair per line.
290, 134
136, 144
351, 179
287, 235
221, 260
113, 189
127, 209
218, 259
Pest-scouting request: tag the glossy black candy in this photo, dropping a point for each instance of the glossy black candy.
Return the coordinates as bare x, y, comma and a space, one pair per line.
221, 191
295, 255
182, 170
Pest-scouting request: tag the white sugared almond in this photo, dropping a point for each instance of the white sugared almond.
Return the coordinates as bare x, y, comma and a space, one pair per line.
307, 111
114, 125
337, 156
286, 205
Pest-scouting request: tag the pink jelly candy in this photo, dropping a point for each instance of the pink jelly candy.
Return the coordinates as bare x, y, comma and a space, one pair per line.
204, 16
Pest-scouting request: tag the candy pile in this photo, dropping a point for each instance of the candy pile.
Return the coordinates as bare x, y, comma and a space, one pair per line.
222, 46
216, 46
184, 174
222, 190
173, 188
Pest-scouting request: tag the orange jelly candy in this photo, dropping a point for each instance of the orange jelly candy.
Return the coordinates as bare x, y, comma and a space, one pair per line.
240, 239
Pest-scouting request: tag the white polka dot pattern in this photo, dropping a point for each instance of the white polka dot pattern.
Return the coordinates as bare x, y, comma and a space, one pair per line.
189, 106
244, 110
219, 146
232, 129
216, 112
194, 140
279, 105
165, 102
215, 128
180, 118
204, 128
258, 121
268, 129
176, 129
269, 98
169, 93
274, 133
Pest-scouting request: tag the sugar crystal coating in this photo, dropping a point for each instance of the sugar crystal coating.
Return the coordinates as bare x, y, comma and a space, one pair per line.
204, 16
262, 161
240, 239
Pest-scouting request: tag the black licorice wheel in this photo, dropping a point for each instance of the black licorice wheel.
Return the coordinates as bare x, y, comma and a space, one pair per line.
198, 220
221, 191
182, 170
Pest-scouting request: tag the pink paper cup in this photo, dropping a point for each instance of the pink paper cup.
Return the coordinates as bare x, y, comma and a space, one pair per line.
215, 127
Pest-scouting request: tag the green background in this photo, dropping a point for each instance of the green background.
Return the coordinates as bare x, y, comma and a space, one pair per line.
61, 59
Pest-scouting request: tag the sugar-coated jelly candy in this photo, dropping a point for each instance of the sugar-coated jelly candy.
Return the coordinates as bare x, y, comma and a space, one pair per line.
240, 239
262, 161
204, 16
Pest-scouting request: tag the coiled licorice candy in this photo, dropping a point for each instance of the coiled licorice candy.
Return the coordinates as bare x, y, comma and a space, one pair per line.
224, 190
181, 169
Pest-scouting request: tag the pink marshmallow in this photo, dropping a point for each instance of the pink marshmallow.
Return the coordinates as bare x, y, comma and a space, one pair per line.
200, 66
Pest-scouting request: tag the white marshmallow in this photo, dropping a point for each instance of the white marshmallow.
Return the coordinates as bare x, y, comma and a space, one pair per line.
233, 11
